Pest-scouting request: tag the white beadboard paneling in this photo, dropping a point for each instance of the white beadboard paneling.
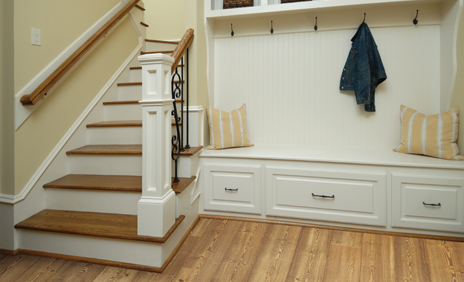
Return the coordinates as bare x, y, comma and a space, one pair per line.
290, 83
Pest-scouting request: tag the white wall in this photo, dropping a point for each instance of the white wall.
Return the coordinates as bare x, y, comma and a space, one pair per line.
290, 83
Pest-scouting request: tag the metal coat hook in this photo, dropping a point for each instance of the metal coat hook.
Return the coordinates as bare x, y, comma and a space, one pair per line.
315, 26
272, 29
415, 21
364, 17
231, 30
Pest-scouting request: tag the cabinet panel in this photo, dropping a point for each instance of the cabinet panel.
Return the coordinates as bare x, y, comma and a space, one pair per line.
326, 195
427, 203
232, 188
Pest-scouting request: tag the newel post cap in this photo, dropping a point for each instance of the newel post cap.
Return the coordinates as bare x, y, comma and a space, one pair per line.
157, 58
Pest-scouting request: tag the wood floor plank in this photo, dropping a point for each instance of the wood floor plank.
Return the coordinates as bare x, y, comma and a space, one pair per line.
276, 253
310, 256
116, 274
377, 258
344, 256
444, 264
85, 272
203, 256
53, 270
37, 269
18, 264
410, 260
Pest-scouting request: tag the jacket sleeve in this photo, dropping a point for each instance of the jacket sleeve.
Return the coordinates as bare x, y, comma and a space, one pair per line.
362, 73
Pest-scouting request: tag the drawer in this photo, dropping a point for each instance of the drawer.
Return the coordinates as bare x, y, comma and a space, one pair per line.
326, 195
427, 203
232, 188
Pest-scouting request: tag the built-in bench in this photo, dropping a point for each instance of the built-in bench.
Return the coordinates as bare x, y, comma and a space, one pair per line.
365, 188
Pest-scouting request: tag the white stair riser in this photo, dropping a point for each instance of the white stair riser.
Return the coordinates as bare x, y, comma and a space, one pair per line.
187, 166
126, 251
130, 92
156, 46
105, 164
135, 75
123, 112
92, 200
115, 135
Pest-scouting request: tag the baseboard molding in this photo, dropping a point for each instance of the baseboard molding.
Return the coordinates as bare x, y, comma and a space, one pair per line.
33, 180
9, 252
347, 229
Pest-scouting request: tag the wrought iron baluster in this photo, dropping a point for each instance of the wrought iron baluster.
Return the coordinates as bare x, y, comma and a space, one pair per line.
175, 140
187, 92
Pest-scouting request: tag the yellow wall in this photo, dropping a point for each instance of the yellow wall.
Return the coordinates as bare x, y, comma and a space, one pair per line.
36, 138
458, 95
6, 97
165, 18
61, 23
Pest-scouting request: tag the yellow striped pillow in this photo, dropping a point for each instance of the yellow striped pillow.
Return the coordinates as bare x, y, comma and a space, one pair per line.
226, 129
433, 135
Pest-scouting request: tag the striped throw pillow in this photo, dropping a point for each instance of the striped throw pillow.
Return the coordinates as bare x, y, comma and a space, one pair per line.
227, 129
433, 135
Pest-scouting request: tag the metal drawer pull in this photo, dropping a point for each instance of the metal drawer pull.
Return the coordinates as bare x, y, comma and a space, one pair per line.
323, 196
432, 205
231, 190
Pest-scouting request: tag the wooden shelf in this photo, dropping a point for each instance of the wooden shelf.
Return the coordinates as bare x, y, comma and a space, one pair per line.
308, 6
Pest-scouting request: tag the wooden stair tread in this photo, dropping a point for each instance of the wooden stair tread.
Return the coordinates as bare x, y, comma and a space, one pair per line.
155, 52
129, 83
161, 41
121, 102
144, 24
135, 68
191, 151
108, 149
118, 226
117, 123
127, 183
182, 184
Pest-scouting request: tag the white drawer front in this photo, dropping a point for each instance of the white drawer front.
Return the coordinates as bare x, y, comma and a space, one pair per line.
326, 195
232, 188
427, 203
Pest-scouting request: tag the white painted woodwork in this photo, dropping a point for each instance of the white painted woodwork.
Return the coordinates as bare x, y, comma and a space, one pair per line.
411, 191
130, 92
358, 198
245, 178
291, 86
196, 125
105, 164
123, 112
186, 166
136, 75
156, 208
127, 251
92, 200
115, 135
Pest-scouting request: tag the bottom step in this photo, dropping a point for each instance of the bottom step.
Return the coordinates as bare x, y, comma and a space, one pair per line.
109, 239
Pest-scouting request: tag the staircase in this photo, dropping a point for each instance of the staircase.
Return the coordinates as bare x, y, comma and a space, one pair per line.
91, 213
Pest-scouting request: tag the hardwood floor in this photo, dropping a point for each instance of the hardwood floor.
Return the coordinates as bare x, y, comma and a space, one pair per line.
230, 250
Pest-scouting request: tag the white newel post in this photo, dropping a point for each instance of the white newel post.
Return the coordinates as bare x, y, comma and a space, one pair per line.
156, 208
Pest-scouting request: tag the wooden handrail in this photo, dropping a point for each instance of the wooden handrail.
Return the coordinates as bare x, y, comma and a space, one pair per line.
181, 48
39, 92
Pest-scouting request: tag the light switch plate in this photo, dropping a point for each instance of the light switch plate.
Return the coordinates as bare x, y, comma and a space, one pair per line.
35, 36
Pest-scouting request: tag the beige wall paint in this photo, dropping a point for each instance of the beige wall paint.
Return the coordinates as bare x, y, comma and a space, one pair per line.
6, 97
36, 138
165, 18
61, 22
458, 94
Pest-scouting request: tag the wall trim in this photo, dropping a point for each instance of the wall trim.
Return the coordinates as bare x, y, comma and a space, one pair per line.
455, 54
39, 172
23, 112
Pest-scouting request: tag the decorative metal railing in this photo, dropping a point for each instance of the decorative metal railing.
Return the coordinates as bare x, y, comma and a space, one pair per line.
178, 96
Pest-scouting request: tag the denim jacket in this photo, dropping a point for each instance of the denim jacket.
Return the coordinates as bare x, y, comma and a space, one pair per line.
363, 70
